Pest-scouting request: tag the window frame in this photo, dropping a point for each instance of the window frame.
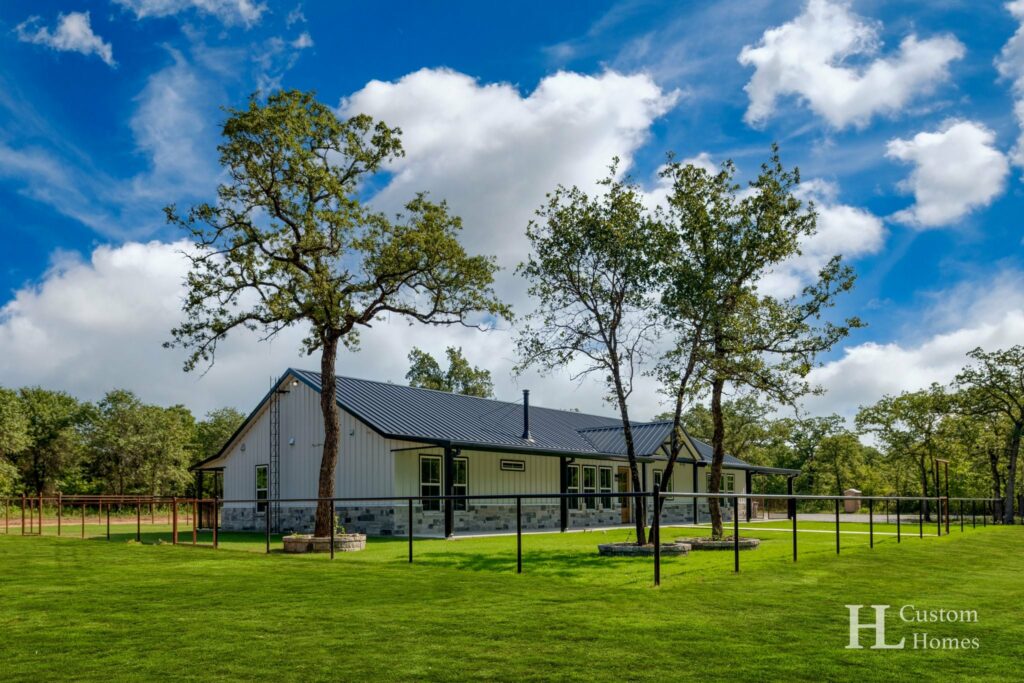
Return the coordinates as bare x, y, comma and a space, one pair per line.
589, 503
512, 465
460, 504
728, 482
261, 503
430, 505
606, 501
574, 503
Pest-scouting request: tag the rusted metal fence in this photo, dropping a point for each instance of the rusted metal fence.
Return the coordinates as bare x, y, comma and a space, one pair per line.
204, 513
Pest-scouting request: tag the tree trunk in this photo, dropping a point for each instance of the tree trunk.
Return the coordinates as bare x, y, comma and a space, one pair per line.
329, 462
717, 458
997, 482
1011, 474
639, 503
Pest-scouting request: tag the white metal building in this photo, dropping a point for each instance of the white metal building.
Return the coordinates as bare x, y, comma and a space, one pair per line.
403, 441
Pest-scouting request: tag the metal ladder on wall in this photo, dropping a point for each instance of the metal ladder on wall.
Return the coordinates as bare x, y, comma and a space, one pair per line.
274, 505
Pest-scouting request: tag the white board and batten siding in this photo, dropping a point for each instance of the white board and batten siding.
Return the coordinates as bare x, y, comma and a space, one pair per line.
365, 461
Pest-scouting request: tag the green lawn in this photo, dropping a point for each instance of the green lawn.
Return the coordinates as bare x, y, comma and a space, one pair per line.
91, 610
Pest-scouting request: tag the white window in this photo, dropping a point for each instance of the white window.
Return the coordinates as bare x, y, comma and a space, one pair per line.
728, 482
573, 485
513, 465
605, 483
662, 486
460, 482
430, 480
262, 486
590, 486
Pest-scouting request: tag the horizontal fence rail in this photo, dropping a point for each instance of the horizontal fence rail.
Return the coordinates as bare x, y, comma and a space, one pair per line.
193, 509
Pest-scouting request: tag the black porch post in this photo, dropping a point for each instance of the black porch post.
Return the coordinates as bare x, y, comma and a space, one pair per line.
563, 484
792, 501
449, 475
750, 487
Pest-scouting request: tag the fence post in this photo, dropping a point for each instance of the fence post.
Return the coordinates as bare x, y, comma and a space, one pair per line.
60, 510
920, 520
871, 521
40, 513
195, 520
938, 517
519, 535
984, 515
655, 533
961, 515
83, 519
792, 508
410, 530
898, 538
837, 526
23, 514
974, 514
174, 520
108, 521
736, 533
216, 514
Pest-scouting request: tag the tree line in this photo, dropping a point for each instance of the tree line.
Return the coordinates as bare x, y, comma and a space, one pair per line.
50, 441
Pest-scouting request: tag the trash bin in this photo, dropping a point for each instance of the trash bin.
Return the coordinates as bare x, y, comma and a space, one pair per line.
850, 505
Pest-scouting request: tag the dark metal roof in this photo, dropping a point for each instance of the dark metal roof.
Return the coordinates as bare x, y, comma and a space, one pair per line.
471, 423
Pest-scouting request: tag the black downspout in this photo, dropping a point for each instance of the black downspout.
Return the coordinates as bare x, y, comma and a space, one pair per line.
449, 508
563, 503
750, 487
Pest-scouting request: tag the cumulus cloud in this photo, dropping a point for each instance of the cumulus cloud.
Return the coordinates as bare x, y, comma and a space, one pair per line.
489, 150
230, 12
989, 314
91, 325
956, 169
73, 34
493, 153
1010, 64
846, 230
810, 58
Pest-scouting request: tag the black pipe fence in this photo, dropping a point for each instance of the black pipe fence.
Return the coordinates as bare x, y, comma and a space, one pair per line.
34, 507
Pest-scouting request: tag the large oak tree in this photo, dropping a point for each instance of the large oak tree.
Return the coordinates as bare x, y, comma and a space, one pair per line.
290, 241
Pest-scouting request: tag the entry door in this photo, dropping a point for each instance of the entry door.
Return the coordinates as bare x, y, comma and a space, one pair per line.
622, 484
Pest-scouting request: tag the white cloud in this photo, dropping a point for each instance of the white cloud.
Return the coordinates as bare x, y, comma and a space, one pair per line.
490, 151
230, 12
842, 229
956, 170
170, 127
89, 326
1010, 64
303, 41
809, 57
493, 153
989, 314
73, 34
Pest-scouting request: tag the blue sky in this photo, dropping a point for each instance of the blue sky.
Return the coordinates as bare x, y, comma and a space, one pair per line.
900, 115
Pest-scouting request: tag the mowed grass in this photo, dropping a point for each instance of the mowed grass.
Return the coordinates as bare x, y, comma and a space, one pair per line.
91, 610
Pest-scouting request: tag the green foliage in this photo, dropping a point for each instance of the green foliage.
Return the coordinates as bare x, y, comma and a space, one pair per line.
593, 268
14, 425
724, 242
460, 378
54, 451
213, 432
290, 241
